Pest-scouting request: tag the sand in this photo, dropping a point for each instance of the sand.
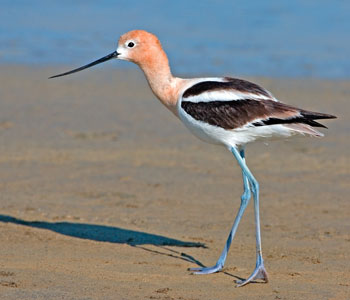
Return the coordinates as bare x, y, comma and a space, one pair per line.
105, 195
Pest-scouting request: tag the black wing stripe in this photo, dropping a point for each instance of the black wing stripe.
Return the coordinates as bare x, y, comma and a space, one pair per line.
230, 84
275, 121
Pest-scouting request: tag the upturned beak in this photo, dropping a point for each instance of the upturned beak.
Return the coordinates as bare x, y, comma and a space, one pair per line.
96, 62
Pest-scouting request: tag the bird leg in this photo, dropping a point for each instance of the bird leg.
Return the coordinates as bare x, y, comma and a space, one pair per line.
244, 202
259, 271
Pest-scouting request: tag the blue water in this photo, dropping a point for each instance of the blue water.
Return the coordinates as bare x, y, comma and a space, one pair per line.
278, 38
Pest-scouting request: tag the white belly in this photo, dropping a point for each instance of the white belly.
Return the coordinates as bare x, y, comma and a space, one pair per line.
205, 132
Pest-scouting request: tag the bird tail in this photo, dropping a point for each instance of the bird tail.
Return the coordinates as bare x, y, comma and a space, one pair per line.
311, 116
307, 122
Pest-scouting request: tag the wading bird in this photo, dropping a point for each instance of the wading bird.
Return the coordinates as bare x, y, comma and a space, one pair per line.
220, 110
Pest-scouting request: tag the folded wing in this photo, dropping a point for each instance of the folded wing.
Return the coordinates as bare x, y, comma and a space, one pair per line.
235, 103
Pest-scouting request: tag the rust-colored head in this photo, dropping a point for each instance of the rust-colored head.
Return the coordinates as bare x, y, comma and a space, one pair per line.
140, 47
144, 49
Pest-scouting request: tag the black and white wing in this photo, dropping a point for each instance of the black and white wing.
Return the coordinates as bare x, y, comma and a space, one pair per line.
230, 104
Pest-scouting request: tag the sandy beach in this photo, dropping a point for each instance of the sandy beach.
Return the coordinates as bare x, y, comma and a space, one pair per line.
105, 195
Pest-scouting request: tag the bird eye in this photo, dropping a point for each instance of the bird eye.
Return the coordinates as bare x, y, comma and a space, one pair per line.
131, 44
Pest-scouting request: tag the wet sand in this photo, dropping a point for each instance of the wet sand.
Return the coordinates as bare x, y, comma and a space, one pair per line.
105, 195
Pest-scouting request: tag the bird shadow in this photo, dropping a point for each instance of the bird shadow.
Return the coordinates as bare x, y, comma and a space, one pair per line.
103, 233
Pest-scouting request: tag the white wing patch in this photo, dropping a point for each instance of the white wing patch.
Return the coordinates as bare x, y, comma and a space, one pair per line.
226, 95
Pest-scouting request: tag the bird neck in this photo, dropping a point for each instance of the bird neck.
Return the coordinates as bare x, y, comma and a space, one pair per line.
164, 85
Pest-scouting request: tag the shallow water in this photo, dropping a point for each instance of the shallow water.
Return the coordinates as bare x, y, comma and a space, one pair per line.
254, 38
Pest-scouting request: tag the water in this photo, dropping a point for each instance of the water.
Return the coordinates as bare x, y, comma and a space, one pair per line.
272, 38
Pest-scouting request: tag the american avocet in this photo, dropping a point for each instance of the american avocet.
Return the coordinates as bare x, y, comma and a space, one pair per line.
221, 110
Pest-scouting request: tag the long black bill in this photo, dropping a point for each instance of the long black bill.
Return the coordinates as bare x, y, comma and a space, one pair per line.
96, 62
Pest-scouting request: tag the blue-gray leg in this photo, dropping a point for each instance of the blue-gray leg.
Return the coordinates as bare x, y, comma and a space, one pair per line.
259, 272
244, 202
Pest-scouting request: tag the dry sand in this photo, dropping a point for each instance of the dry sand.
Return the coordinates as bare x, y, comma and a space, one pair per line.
105, 195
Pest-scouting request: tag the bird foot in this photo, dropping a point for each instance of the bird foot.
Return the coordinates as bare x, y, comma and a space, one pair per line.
207, 270
259, 273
